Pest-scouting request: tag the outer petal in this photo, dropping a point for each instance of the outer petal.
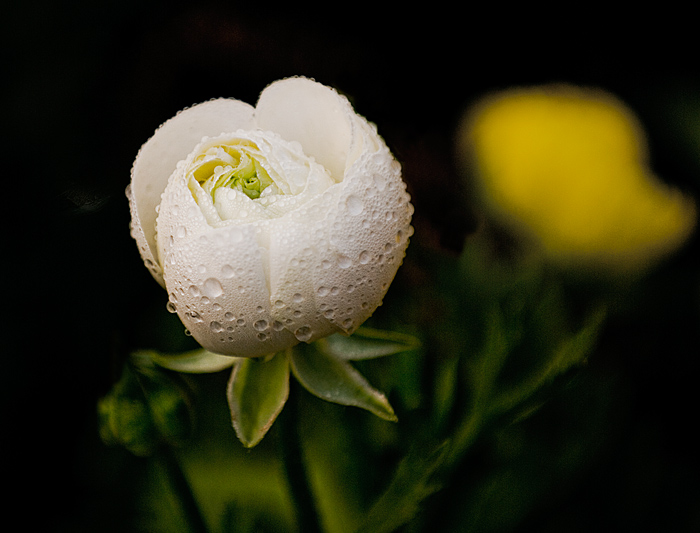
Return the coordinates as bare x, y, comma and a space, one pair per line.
158, 157
342, 250
368, 232
217, 278
316, 116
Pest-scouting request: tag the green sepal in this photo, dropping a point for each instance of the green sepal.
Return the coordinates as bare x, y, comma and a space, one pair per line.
335, 380
256, 392
367, 343
193, 362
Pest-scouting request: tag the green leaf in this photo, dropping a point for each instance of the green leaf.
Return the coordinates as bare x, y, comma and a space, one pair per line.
194, 362
412, 483
336, 381
572, 352
257, 392
367, 343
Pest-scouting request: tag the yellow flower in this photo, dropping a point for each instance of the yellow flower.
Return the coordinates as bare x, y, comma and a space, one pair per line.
567, 167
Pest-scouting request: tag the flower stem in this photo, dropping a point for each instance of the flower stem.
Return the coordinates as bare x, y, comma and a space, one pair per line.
182, 490
291, 453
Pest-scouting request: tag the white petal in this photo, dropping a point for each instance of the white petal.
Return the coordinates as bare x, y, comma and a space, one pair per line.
368, 231
217, 278
312, 114
158, 157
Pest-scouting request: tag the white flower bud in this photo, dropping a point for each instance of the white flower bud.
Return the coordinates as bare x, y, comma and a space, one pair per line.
270, 225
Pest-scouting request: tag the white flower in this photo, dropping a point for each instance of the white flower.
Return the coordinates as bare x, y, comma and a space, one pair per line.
273, 224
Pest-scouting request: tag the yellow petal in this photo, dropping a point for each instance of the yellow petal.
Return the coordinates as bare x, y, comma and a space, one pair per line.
568, 167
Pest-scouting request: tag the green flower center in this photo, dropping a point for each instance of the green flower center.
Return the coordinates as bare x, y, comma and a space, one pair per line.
233, 166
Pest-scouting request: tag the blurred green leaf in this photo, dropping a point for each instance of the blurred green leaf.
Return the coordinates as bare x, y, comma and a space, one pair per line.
335, 380
571, 352
145, 408
257, 392
412, 483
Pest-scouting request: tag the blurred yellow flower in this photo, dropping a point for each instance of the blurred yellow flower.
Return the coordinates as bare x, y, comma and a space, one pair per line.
567, 166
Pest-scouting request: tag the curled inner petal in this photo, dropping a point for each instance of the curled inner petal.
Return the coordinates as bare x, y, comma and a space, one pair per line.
251, 176
232, 166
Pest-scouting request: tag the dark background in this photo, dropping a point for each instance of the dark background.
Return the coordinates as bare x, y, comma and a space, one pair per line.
87, 84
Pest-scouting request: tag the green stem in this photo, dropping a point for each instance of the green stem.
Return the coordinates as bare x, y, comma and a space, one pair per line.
291, 453
182, 490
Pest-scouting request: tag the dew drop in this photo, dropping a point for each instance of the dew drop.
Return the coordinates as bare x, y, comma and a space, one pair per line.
326, 264
170, 306
229, 316
240, 322
212, 288
227, 271
194, 291
277, 325
279, 304
261, 325
303, 334
344, 261
354, 204
262, 336
379, 181
364, 257
297, 298
347, 322
216, 327
323, 291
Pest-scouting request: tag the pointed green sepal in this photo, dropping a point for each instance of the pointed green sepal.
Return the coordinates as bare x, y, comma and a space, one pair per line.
367, 343
194, 362
257, 392
336, 381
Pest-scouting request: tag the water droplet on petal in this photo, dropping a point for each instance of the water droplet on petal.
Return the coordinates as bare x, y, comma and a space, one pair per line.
261, 325
303, 333
323, 291
364, 257
216, 327
354, 204
227, 271
194, 291
344, 261
212, 288
297, 298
